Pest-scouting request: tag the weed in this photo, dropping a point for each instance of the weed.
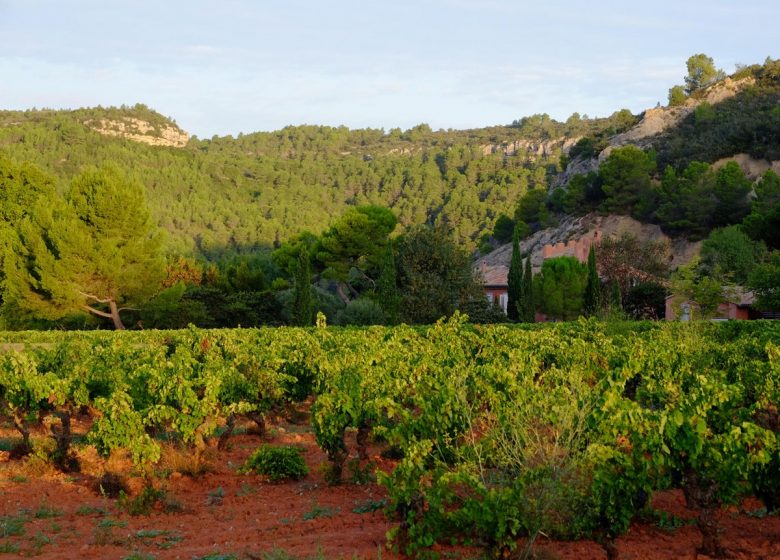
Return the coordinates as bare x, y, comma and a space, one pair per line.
143, 503
44, 511
18, 478
12, 525
277, 463
139, 556
108, 523
148, 536
39, 541
55, 527
91, 510
8, 548
246, 490
318, 511
104, 533
369, 506
217, 556
361, 474
215, 497
671, 522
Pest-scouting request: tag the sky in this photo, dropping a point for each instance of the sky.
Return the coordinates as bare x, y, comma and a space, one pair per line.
236, 66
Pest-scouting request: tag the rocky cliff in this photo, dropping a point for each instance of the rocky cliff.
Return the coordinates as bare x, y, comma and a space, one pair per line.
140, 131
574, 228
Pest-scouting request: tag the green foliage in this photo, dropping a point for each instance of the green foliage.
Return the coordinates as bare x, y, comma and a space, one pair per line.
592, 297
143, 503
515, 280
277, 463
560, 288
387, 287
765, 282
527, 302
361, 312
503, 229
677, 96
434, 275
729, 254
303, 309
763, 223
701, 73
625, 177
94, 253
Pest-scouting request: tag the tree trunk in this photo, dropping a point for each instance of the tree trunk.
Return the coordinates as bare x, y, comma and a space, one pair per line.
340, 291
230, 426
362, 441
63, 436
118, 325
21, 425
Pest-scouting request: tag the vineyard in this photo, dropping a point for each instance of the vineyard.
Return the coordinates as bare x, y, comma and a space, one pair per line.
499, 435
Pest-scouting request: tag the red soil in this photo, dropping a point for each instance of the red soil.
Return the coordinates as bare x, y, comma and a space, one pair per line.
228, 513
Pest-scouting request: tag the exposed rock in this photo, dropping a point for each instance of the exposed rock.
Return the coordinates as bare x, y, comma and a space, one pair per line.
752, 167
140, 131
657, 120
538, 148
572, 228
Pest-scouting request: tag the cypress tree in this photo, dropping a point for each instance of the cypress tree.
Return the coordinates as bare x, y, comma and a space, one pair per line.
303, 307
515, 280
527, 303
387, 287
592, 301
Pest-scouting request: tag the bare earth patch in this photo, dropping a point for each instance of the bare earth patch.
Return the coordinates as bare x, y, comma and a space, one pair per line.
56, 516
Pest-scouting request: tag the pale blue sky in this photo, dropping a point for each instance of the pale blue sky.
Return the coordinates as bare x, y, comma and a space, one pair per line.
241, 66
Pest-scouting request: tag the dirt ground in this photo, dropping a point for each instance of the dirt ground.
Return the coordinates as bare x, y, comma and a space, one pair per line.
221, 513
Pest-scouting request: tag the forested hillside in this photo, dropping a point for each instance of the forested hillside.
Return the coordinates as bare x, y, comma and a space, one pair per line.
243, 193
118, 210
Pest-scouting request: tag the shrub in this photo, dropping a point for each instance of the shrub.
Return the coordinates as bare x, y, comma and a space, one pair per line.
277, 463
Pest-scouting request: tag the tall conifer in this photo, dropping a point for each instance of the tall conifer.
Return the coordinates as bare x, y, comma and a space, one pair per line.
592, 298
527, 304
303, 308
515, 280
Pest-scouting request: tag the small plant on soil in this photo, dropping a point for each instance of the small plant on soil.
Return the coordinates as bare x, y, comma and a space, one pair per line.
91, 510
369, 506
319, 511
45, 511
215, 497
8, 548
360, 474
143, 503
12, 525
104, 532
277, 463
139, 556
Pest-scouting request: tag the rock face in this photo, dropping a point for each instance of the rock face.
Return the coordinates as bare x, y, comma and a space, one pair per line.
585, 227
657, 120
752, 167
534, 147
140, 131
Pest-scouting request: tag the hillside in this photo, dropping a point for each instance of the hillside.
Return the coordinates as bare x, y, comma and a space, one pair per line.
228, 194
236, 194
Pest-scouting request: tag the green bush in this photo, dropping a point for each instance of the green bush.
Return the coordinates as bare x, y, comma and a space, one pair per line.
277, 463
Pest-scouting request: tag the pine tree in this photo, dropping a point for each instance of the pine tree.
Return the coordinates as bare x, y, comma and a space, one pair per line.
303, 308
96, 251
387, 288
527, 303
515, 280
592, 298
